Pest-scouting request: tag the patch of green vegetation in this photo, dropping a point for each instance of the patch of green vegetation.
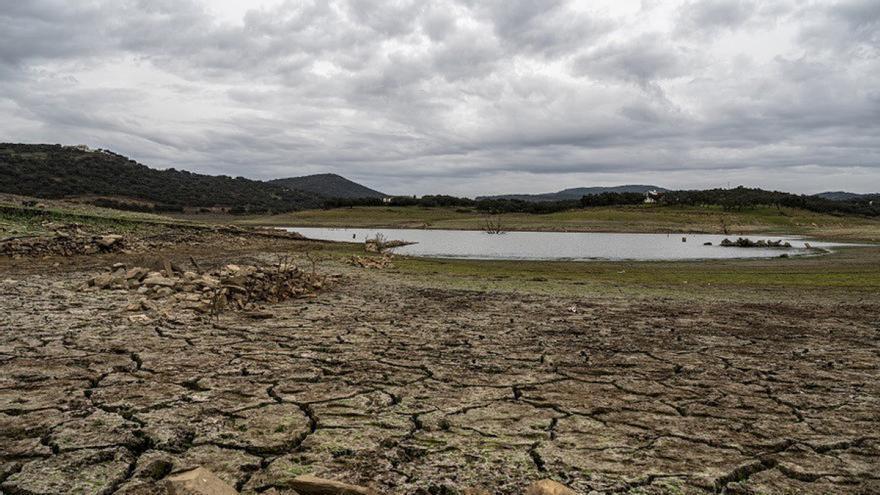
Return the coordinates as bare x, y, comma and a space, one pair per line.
295, 470
672, 488
17, 220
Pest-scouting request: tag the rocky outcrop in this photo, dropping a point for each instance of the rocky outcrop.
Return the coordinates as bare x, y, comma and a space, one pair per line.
748, 243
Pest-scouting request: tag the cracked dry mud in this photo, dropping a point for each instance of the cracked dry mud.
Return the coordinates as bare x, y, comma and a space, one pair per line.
412, 390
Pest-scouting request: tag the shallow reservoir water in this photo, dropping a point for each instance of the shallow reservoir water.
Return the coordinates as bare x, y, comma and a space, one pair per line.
562, 245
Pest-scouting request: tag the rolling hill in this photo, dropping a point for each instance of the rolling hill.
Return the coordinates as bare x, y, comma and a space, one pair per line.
329, 186
577, 193
847, 196
105, 178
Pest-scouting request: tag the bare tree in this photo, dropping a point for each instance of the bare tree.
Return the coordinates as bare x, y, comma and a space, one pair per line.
493, 225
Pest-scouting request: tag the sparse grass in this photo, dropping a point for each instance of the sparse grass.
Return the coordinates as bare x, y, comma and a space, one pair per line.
22, 220
31, 222
295, 470
848, 270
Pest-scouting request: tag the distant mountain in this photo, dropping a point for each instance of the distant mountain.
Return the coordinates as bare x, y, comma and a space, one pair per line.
329, 186
108, 179
845, 196
577, 193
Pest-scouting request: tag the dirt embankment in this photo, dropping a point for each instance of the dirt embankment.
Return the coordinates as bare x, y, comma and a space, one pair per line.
411, 390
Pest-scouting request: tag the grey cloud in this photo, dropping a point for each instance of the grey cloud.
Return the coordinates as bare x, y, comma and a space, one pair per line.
421, 95
549, 28
849, 28
641, 60
707, 17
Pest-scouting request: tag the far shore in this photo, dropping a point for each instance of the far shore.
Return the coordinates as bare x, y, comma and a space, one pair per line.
621, 219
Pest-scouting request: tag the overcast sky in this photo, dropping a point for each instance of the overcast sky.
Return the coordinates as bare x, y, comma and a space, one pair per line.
463, 97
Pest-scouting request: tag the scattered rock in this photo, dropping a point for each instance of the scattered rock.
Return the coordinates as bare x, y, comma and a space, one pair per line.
198, 481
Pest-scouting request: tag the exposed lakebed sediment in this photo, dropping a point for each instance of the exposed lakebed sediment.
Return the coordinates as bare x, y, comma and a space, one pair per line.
406, 389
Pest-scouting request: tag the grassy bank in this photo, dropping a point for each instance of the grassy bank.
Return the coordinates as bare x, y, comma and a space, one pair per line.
851, 271
640, 218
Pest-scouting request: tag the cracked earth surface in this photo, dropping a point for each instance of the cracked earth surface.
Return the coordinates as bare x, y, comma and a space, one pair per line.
414, 390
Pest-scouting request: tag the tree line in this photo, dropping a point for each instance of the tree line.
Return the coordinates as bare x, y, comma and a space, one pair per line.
729, 199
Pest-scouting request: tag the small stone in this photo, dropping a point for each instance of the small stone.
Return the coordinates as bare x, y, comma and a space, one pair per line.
549, 487
102, 281
308, 484
159, 280
136, 273
109, 241
198, 481
141, 319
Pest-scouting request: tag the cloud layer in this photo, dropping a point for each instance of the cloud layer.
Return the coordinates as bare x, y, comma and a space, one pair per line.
458, 96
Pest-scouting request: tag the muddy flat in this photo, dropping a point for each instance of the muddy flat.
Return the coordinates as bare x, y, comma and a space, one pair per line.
415, 389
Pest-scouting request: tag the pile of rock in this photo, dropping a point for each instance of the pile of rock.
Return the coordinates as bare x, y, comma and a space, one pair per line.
61, 244
232, 287
375, 262
747, 243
